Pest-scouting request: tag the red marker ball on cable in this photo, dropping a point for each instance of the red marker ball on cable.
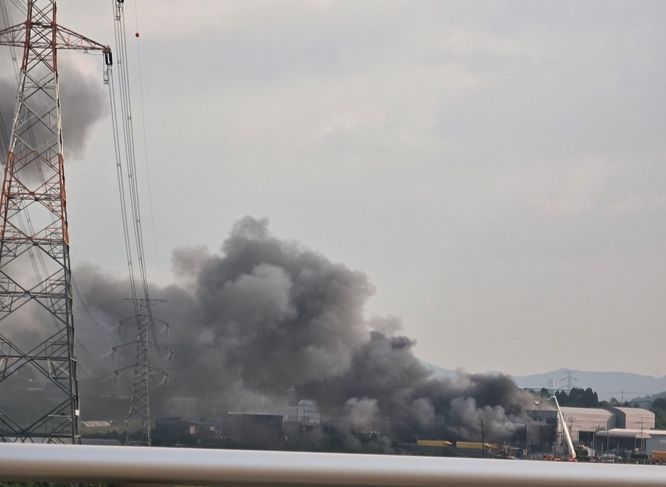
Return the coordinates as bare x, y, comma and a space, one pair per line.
136, 35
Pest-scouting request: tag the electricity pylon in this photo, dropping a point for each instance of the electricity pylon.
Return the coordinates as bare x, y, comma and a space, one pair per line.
39, 400
138, 419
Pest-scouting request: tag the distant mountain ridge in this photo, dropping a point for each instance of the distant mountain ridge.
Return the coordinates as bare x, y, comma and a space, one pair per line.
620, 385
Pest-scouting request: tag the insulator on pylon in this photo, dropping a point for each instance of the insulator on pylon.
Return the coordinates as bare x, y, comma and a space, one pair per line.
108, 58
164, 380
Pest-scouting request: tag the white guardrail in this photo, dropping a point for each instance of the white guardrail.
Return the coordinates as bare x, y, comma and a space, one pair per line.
66, 463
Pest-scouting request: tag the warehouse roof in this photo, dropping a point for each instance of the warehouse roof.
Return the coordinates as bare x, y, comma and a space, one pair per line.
631, 433
587, 411
634, 410
96, 424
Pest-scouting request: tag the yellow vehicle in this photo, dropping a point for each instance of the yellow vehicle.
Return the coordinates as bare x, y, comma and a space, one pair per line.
659, 456
434, 443
475, 445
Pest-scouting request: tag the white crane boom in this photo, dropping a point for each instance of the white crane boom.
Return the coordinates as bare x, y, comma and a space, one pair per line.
567, 436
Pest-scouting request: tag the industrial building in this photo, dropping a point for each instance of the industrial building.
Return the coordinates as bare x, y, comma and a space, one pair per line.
256, 429
183, 431
615, 429
585, 423
541, 430
98, 427
235, 429
619, 439
634, 418
305, 413
293, 426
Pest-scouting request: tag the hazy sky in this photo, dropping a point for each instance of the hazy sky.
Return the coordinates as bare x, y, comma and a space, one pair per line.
498, 169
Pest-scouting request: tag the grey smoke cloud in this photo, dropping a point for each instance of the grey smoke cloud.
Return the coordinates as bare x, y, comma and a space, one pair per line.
7, 103
469, 418
362, 412
83, 105
268, 321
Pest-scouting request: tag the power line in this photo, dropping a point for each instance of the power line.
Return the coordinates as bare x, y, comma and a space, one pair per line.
138, 424
143, 128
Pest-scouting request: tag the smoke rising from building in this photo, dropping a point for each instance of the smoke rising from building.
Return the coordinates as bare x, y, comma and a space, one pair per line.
268, 321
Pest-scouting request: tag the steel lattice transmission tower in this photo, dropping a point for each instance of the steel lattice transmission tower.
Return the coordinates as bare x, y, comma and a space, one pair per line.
145, 341
139, 419
39, 398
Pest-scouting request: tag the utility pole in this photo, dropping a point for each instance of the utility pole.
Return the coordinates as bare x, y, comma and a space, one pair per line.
38, 379
483, 441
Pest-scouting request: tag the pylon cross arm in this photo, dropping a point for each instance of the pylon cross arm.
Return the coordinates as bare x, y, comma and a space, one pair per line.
68, 39
14, 36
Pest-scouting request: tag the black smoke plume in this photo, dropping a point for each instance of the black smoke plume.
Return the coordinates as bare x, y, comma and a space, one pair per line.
266, 322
